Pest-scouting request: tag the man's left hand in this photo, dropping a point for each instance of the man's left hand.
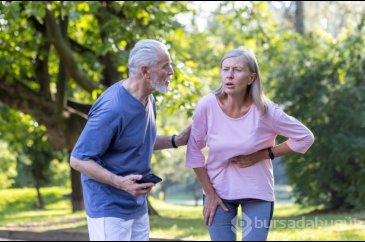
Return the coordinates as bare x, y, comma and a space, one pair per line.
183, 137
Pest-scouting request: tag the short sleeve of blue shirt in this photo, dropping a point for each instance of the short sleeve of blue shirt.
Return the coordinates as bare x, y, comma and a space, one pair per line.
97, 135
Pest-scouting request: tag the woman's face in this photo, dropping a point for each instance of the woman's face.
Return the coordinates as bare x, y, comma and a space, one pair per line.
235, 76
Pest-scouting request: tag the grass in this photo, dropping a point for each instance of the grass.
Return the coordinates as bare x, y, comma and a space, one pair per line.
18, 211
290, 222
294, 223
177, 221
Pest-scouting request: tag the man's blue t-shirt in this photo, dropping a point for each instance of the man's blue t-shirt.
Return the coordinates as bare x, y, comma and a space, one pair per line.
119, 135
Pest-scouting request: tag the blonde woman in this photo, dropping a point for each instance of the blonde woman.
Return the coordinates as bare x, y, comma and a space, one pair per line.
239, 126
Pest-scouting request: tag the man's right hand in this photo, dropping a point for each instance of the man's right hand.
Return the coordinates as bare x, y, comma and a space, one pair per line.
128, 184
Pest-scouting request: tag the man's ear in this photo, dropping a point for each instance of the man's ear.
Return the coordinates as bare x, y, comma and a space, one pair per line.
144, 70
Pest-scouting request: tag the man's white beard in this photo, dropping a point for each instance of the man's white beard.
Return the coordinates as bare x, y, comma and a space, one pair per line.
159, 86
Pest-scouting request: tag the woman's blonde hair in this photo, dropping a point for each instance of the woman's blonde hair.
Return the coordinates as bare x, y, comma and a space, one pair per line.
255, 90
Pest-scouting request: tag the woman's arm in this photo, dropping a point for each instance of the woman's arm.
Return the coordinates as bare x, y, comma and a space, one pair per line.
212, 200
300, 138
248, 160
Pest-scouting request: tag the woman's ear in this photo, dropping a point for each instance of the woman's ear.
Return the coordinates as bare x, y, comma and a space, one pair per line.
252, 78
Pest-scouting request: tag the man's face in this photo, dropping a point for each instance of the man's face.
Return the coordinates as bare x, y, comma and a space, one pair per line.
161, 73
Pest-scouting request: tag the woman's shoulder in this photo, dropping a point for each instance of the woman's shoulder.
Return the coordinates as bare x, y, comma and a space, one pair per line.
205, 103
269, 107
274, 109
207, 100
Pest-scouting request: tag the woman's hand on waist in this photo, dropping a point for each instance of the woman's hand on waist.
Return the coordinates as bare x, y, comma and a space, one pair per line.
244, 161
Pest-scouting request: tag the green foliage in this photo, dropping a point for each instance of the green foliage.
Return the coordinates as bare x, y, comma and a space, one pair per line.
99, 28
320, 82
7, 166
96, 38
28, 143
21, 200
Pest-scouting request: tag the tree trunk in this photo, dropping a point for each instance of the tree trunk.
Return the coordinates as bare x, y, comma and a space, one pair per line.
76, 194
197, 195
151, 210
299, 17
40, 200
337, 201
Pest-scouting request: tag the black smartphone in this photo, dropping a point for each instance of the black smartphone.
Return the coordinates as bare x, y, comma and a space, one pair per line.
150, 178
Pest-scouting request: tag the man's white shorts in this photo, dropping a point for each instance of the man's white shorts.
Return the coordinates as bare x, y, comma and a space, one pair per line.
113, 229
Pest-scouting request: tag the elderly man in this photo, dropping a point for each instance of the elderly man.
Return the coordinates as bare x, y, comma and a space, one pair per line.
115, 148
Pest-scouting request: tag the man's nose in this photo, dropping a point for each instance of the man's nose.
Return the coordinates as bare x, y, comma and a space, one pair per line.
171, 72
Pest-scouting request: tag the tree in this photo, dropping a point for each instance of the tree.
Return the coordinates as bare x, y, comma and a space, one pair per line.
299, 17
313, 78
57, 58
28, 142
320, 82
7, 166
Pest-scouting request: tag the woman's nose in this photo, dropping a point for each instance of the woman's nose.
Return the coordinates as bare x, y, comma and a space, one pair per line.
230, 73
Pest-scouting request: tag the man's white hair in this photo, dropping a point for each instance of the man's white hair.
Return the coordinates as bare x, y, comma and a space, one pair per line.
145, 53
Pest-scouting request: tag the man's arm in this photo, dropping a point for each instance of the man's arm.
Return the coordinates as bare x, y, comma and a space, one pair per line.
165, 142
100, 174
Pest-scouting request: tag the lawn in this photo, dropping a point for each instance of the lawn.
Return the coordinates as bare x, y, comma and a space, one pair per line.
290, 222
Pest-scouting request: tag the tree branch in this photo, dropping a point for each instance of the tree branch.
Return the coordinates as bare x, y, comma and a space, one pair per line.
75, 46
41, 69
62, 77
65, 53
110, 72
79, 48
18, 96
80, 107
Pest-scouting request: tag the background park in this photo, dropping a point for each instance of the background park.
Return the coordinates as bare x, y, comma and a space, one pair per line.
57, 57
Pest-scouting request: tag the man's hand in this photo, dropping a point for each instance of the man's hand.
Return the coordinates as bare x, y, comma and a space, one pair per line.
128, 184
183, 137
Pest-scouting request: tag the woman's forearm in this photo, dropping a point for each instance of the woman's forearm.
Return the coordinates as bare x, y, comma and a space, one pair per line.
282, 149
204, 179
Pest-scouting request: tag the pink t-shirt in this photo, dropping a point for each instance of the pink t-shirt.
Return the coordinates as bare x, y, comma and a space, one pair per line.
227, 137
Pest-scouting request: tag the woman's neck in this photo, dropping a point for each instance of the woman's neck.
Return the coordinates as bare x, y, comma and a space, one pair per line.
235, 105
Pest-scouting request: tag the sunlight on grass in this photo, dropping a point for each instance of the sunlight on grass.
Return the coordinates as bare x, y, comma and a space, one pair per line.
290, 222
17, 210
178, 221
